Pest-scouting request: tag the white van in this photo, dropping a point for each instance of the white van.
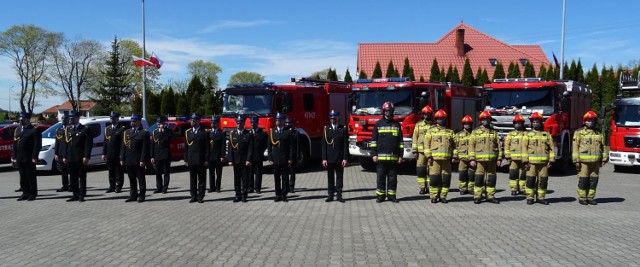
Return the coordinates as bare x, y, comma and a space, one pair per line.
96, 126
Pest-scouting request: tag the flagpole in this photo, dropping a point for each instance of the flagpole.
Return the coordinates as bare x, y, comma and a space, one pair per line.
564, 6
144, 70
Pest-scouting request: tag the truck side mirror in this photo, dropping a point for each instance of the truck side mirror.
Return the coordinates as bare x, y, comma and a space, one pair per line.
423, 100
288, 103
565, 102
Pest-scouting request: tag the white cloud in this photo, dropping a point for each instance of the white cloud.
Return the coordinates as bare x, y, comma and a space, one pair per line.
233, 24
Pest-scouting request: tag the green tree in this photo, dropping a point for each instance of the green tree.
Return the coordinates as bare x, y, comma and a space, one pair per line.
207, 72
455, 77
154, 102
182, 106
449, 76
246, 77
391, 71
592, 79
542, 73
529, 72
467, 74
412, 75
435, 72
482, 77
362, 75
498, 73
332, 75
377, 71
580, 72
407, 70
421, 78
443, 77
29, 48
551, 73
114, 90
214, 103
168, 103
572, 73
195, 87
196, 104
347, 77
514, 70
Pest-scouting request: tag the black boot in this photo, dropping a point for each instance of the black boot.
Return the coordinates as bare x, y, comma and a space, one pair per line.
380, 199
592, 202
582, 202
340, 199
543, 201
393, 199
423, 191
444, 200
529, 201
476, 201
329, 199
514, 193
493, 200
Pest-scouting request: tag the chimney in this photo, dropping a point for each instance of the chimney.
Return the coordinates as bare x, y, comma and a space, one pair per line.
460, 42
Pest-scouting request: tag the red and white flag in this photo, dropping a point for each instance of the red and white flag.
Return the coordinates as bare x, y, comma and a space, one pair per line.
141, 62
155, 60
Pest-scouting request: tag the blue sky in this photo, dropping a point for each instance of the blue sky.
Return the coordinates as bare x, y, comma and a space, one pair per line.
282, 39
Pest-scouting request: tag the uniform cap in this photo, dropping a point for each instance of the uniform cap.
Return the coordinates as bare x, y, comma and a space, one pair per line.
136, 116
518, 118
254, 120
161, 119
280, 116
289, 121
215, 119
114, 114
467, 119
485, 115
195, 116
440, 114
239, 120
73, 114
25, 115
333, 114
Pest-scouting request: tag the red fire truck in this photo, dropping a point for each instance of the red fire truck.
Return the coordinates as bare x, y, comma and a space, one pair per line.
625, 124
409, 98
307, 101
561, 103
178, 125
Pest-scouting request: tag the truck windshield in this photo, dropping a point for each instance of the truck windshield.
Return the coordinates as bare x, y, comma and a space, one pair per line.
51, 131
370, 102
627, 115
517, 99
257, 104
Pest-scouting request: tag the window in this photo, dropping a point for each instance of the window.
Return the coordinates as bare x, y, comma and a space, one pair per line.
307, 100
95, 129
493, 62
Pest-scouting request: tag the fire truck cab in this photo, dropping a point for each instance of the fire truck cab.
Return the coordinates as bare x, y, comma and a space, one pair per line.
561, 103
306, 101
408, 97
625, 124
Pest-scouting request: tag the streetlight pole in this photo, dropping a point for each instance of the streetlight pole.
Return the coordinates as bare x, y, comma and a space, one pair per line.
564, 7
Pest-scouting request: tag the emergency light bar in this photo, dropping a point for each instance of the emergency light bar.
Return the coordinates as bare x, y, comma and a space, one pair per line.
383, 80
512, 80
265, 84
628, 82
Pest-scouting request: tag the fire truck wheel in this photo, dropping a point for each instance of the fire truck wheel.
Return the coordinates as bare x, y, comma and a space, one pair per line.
367, 164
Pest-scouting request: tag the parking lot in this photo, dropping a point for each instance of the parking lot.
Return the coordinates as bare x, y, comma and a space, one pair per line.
166, 230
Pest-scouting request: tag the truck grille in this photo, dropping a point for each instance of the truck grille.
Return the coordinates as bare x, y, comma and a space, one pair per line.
632, 141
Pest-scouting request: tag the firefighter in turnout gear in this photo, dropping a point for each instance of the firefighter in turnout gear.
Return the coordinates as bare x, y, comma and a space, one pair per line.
438, 149
386, 150
588, 155
513, 154
419, 132
485, 155
461, 153
537, 156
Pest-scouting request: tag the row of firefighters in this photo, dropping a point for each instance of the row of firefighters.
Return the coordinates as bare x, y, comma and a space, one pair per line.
478, 152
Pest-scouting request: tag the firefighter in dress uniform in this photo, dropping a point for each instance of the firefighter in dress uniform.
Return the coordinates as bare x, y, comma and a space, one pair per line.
240, 153
466, 173
27, 142
589, 155
280, 153
79, 144
335, 149
513, 154
537, 156
419, 132
260, 139
386, 150
217, 151
196, 157
289, 124
111, 153
439, 143
59, 151
161, 154
485, 155
134, 155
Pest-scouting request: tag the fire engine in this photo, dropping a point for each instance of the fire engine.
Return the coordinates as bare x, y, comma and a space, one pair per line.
409, 98
625, 124
306, 101
178, 125
562, 104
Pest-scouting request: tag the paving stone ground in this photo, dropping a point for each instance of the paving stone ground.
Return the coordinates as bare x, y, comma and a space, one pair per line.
166, 230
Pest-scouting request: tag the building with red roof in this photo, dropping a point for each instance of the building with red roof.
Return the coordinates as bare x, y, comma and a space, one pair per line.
462, 42
86, 109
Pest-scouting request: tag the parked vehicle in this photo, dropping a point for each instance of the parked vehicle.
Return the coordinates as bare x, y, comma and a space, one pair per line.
178, 125
625, 124
7, 132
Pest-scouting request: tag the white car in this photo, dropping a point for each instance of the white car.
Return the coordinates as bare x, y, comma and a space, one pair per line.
95, 124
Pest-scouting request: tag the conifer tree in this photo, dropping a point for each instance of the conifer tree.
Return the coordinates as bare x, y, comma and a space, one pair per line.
377, 71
